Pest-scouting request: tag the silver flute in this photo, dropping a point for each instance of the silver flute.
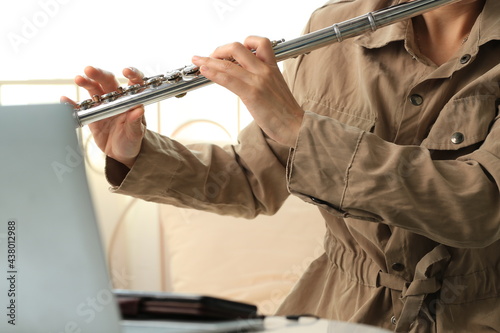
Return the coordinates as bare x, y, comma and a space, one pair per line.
178, 82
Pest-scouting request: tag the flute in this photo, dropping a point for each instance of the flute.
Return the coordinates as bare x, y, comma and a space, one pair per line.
178, 82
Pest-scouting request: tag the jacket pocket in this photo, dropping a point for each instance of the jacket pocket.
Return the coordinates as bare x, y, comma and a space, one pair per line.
462, 123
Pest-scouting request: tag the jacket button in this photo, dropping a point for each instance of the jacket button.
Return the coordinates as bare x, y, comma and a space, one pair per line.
319, 201
316, 200
416, 99
398, 267
457, 138
465, 59
393, 320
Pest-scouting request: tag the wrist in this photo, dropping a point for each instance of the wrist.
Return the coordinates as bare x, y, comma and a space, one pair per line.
290, 130
129, 163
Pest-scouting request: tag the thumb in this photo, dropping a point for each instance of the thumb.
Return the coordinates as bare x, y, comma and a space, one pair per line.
136, 121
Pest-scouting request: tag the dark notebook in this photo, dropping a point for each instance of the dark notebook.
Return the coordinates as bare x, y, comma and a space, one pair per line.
136, 305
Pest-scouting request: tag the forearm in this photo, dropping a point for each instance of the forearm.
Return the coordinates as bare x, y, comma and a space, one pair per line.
233, 180
356, 174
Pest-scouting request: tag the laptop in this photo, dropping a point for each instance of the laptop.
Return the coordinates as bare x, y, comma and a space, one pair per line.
53, 275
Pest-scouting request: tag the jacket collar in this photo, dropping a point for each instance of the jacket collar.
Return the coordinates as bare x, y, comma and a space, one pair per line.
486, 28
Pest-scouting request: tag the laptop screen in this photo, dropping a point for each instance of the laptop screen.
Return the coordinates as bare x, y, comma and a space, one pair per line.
53, 276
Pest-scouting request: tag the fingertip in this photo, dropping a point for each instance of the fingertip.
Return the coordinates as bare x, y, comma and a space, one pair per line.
90, 70
135, 115
133, 74
80, 80
138, 110
67, 100
204, 70
251, 40
263, 48
199, 60
129, 71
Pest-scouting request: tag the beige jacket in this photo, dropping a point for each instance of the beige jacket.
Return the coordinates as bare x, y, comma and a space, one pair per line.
401, 157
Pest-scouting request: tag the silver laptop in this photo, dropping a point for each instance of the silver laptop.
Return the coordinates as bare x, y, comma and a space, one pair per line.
53, 275
52, 271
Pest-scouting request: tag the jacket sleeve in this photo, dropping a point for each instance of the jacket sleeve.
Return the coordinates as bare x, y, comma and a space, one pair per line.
355, 174
240, 180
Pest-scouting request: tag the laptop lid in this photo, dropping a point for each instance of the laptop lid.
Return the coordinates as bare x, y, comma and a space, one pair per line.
53, 276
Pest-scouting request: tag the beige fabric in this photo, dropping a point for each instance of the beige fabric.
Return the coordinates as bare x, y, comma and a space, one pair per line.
166, 248
255, 261
413, 218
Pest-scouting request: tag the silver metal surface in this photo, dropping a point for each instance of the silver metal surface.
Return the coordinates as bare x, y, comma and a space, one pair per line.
178, 82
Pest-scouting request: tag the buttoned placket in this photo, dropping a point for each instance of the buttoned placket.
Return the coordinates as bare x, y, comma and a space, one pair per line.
415, 104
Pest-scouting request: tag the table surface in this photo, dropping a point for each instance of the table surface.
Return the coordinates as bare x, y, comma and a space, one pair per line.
269, 324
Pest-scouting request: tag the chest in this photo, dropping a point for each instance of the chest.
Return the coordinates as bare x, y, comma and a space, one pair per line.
388, 92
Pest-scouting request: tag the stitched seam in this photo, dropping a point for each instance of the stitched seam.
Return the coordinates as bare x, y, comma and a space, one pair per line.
473, 301
439, 144
173, 174
475, 139
212, 204
336, 110
481, 97
468, 274
346, 179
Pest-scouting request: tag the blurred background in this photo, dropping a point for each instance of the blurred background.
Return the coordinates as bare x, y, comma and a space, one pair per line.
45, 43
56, 39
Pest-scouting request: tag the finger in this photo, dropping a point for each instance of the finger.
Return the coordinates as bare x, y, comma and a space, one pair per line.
241, 55
224, 73
93, 87
106, 79
67, 100
133, 75
220, 66
263, 49
135, 118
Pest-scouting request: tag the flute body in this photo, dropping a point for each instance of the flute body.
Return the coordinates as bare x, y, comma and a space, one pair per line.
180, 81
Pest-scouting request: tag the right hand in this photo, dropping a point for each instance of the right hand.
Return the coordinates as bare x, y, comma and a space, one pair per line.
120, 136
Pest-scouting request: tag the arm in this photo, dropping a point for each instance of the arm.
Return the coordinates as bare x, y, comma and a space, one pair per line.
356, 174
243, 180
454, 202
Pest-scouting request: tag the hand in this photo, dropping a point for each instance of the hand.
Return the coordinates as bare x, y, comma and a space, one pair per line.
120, 136
257, 80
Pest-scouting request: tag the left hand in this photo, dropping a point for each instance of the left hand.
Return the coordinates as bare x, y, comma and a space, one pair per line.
257, 80
119, 137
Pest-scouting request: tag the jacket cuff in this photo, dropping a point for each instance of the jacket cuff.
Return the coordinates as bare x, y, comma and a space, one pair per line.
142, 177
115, 172
318, 166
